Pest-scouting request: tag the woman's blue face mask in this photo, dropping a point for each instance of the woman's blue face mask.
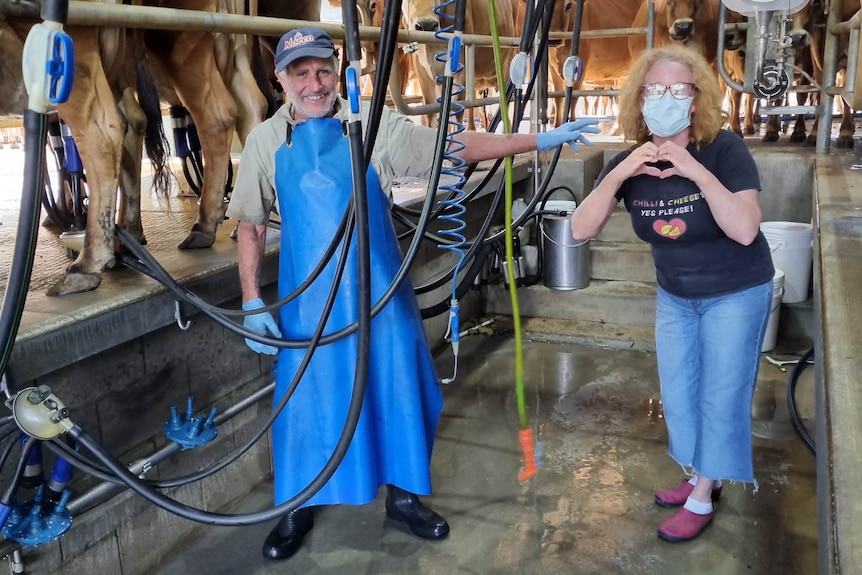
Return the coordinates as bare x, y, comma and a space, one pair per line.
667, 116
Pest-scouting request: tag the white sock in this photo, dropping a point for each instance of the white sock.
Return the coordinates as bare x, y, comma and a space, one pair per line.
698, 507
715, 484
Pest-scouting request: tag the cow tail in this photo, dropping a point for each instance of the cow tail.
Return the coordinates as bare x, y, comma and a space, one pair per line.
155, 142
261, 78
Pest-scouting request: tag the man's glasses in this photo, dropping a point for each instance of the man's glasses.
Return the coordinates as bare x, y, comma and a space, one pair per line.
680, 90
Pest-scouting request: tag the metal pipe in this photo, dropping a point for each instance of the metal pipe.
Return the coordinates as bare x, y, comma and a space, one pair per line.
848, 26
762, 18
607, 33
830, 69
852, 64
150, 17
650, 31
722, 69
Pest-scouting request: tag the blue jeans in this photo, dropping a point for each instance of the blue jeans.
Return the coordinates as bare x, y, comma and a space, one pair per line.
708, 353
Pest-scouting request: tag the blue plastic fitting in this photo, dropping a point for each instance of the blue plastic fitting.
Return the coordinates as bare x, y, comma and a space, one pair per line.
190, 431
73, 158
454, 55
353, 93
61, 68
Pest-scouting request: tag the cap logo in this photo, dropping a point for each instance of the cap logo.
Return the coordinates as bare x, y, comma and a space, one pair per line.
297, 41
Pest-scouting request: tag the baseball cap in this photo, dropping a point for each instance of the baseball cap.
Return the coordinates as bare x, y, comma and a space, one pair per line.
302, 43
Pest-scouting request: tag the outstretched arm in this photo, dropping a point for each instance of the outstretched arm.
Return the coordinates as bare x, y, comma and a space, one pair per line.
480, 146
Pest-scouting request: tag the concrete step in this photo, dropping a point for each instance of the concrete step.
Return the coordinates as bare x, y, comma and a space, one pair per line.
619, 228
604, 310
621, 261
617, 302
587, 333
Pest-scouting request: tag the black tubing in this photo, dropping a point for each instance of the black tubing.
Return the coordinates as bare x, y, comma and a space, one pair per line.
35, 133
791, 400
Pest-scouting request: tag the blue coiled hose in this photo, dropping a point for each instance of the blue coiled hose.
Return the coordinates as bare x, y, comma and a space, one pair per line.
453, 208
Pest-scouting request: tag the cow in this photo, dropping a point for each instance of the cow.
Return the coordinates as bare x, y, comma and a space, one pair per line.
606, 61
734, 63
421, 15
108, 124
693, 23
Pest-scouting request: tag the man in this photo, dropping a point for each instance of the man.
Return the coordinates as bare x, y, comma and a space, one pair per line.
300, 158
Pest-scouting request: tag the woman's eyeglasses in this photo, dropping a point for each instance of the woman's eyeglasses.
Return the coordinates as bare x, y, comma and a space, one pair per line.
680, 90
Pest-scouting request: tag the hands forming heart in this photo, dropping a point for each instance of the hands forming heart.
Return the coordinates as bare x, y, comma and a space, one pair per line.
681, 163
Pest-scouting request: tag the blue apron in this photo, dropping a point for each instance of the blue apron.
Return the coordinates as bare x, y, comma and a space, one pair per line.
395, 435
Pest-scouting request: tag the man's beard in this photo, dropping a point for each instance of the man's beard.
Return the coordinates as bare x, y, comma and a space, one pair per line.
298, 104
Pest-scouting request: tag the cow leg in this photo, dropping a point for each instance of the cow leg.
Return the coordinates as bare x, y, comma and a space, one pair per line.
748, 118
91, 114
733, 115
773, 125
427, 82
250, 102
798, 133
845, 132
559, 85
202, 91
129, 212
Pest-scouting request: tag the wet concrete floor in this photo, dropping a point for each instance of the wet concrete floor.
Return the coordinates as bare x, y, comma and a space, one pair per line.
590, 510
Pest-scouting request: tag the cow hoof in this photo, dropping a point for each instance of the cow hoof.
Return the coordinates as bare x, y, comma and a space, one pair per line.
810, 142
770, 137
749, 130
197, 239
845, 142
797, 137
75, 283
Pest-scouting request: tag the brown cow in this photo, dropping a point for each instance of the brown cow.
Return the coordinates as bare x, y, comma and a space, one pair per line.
606, 61
734, 63
420, 15
691, 22
108, 124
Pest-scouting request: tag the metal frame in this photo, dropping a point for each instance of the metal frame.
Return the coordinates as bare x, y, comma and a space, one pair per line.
828, 90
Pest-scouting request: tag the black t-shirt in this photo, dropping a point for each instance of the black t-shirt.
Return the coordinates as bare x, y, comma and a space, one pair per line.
693, 256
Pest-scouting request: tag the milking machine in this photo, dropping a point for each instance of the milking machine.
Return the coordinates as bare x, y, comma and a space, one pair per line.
770, 73
67, 206
187, 149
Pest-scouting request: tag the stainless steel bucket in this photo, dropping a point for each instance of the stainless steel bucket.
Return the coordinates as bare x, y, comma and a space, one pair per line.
565, 260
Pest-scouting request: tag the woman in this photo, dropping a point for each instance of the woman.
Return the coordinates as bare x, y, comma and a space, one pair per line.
692, 191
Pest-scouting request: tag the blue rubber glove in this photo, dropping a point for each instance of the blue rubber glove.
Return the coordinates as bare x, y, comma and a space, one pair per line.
568, 133
260, 323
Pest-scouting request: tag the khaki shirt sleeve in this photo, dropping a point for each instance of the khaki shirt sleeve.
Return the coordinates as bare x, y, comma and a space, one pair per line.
253, 195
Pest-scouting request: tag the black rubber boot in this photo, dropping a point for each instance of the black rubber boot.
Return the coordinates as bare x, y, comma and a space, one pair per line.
403, 506
284, 540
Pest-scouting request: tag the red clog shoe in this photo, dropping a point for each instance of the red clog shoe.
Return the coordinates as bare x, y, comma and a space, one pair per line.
684, 525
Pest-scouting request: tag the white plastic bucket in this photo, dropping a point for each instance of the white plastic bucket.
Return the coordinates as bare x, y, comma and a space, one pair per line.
563, 207
791, 247
771, 336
